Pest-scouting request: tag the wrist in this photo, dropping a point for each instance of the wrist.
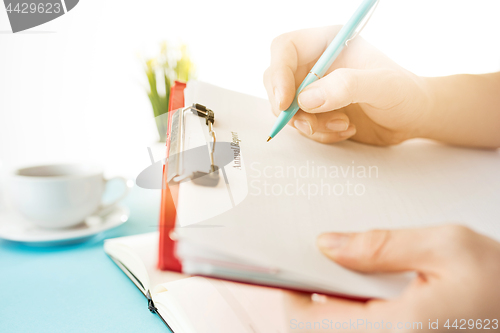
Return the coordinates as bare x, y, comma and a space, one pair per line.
425, 124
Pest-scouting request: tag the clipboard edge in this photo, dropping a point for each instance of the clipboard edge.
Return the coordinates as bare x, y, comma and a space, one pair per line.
167, 260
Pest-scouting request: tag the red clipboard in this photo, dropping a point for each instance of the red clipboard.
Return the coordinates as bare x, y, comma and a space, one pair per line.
167, 259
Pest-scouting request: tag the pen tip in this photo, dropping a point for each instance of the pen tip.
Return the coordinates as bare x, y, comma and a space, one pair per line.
268, 139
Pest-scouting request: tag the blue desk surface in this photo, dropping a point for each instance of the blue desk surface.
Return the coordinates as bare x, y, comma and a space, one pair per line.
77, 288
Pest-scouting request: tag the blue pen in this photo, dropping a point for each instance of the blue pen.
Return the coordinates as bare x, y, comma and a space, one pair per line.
347, 33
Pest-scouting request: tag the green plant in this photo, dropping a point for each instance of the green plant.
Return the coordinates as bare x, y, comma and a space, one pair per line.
172, 63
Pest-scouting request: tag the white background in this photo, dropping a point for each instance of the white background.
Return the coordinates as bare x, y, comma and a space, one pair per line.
74, 90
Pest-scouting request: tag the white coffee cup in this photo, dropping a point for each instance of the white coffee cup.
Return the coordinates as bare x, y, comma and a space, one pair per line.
60, 195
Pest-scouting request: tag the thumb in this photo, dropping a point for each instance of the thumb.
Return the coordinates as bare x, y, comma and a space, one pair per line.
423, 250
378, 87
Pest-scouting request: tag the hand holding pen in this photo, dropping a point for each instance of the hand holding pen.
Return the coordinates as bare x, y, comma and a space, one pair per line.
366, 97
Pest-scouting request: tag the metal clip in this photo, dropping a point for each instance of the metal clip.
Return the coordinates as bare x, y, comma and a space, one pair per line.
176, 169
356, 33
209, 116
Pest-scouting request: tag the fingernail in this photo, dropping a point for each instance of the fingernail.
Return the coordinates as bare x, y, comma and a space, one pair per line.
350, 132
337, 125
311, 98
318, 298
277, 98
332, 241
303, 126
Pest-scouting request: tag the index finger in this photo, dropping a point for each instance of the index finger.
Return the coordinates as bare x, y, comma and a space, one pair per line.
292, 55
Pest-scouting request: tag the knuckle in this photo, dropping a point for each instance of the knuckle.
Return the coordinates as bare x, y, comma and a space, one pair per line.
458, 235
344, 117
349, 82
455, 231
335, 115
276, 41
279, 40
374, 245
458, 241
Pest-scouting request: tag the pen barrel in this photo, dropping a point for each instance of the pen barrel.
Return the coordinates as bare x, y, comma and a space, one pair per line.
347, 32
